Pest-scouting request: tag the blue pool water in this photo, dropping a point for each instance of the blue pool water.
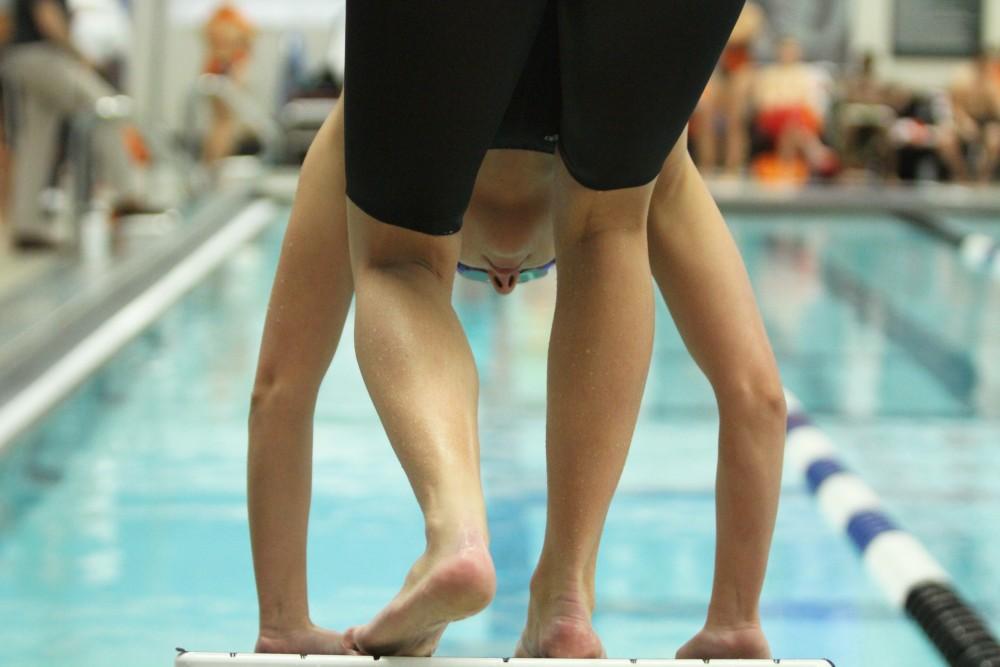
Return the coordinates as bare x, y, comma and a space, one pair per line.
123, 523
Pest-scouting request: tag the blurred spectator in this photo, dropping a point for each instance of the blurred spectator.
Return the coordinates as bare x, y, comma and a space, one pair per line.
865, 118
993, 54
336, 52
920, 134
52, 81
972, 143
724, 105
102, 32
821, 27
789, 104
6, 32
229, 39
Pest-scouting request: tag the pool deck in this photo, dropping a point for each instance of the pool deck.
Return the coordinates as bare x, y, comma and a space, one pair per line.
744, 195
19, 271
52, 300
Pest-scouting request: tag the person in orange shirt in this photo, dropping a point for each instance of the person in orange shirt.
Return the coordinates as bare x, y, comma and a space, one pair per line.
724, 106
785, 98
229, 36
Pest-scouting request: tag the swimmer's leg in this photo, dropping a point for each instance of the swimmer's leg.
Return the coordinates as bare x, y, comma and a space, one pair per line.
431, 82
419, 370
598, 360
620, 118
693, 255
309, 301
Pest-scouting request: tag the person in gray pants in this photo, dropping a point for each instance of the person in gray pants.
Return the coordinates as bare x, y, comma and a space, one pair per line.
51, 81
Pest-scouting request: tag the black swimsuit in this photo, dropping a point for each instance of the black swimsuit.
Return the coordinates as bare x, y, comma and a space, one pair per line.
431, 85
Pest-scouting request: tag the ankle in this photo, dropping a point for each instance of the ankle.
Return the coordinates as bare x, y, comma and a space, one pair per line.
729, 610
745, 642
447, 535
559, 623
569, 596
275, 629
732, 623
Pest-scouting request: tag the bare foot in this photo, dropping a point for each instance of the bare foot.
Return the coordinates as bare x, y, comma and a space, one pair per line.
559, 629
438, 590
310, 641
743, 642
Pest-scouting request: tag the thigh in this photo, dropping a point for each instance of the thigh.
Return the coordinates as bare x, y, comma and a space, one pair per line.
428, 82
631, 74
60, 81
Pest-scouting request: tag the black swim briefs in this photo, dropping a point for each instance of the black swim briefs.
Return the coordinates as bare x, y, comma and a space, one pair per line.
431, 85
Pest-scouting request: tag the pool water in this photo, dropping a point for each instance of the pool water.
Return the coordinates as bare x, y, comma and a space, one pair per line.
123, 527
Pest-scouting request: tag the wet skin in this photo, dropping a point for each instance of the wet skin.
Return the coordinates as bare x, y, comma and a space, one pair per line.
509, 226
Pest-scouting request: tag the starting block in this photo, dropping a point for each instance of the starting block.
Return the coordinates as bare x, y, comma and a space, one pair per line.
195, 659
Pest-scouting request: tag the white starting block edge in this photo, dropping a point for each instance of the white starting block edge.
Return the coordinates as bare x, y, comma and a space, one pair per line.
194, 659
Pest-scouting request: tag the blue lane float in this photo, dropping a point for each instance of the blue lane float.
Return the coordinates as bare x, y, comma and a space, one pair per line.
911, 579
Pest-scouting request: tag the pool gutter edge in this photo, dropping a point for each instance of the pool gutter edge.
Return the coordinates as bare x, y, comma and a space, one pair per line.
126, 313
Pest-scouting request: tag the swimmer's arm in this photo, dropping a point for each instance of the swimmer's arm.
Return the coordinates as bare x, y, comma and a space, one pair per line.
309, 302
700, 272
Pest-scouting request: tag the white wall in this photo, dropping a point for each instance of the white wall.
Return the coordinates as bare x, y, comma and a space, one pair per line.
871, 30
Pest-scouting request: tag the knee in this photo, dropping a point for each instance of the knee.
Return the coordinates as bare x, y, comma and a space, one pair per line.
415, 270
592, 217
381, 253
754, 395
596, 229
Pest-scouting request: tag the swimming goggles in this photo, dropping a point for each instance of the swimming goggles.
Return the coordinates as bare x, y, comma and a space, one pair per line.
523, 276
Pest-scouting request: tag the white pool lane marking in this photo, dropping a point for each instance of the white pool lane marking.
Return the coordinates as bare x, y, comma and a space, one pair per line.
897, 561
